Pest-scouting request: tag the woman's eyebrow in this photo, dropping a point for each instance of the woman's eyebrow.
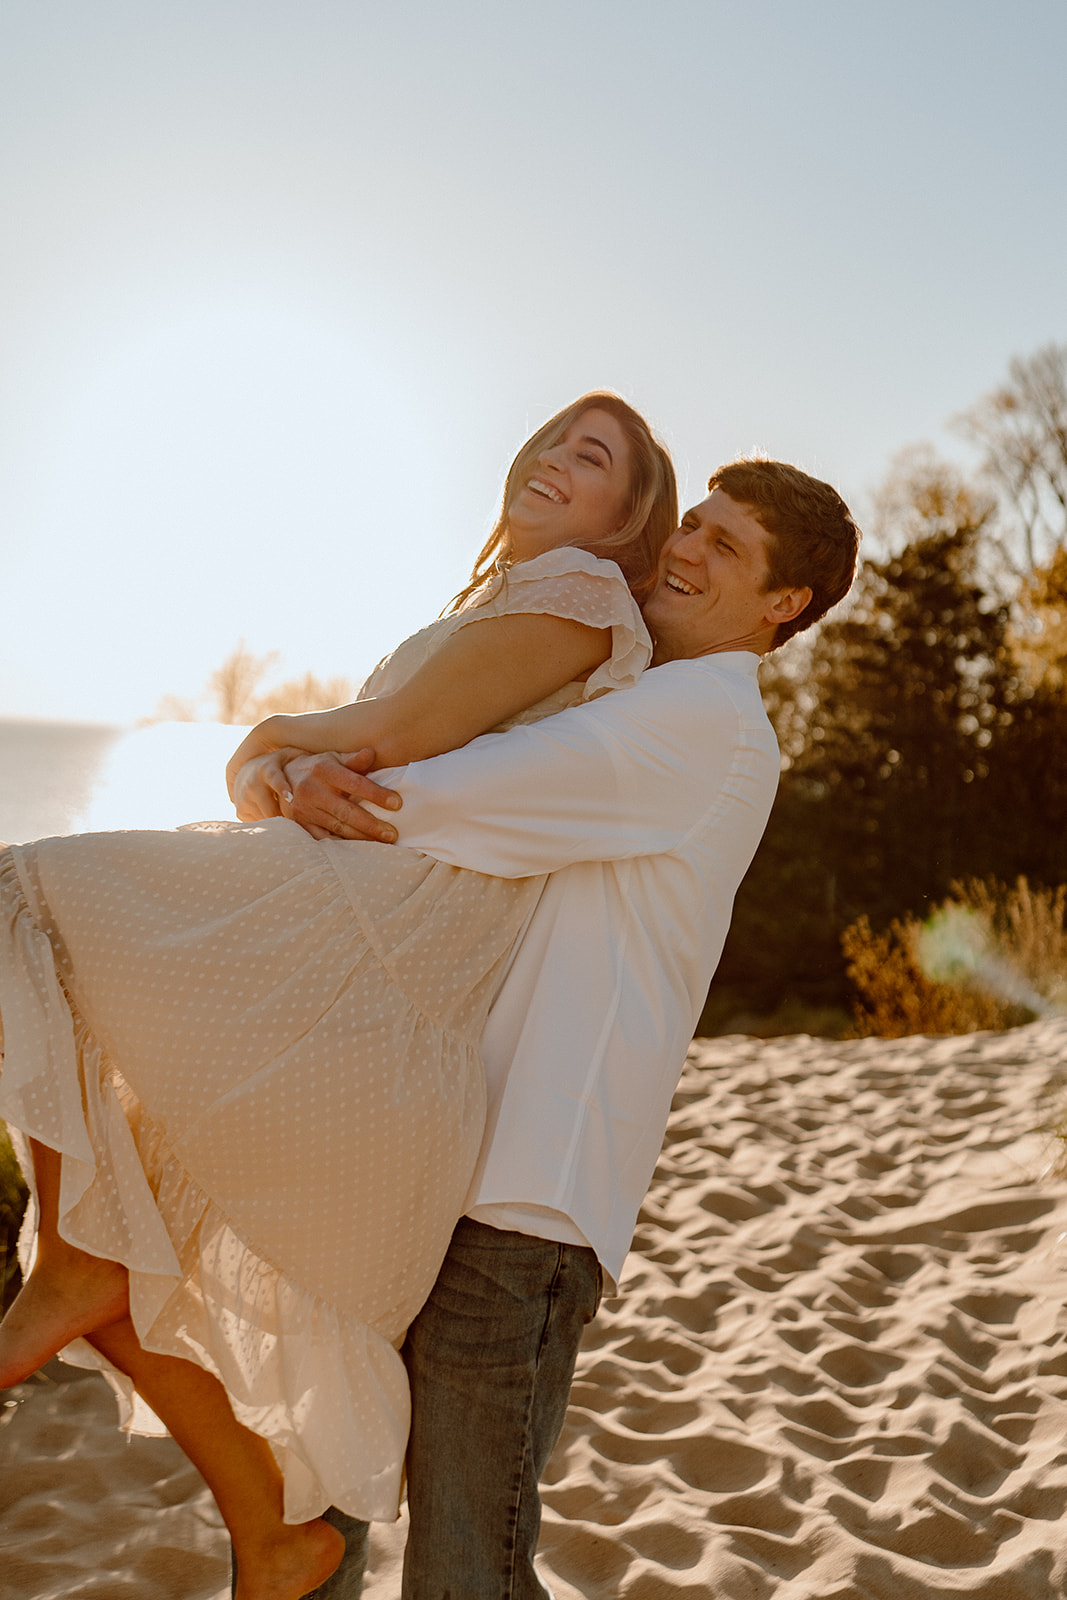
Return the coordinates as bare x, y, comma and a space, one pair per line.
587, 438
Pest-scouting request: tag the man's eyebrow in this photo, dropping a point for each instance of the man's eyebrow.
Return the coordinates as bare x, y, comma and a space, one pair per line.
587, 438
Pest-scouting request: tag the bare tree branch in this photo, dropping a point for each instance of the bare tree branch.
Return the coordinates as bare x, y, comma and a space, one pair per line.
1021, 429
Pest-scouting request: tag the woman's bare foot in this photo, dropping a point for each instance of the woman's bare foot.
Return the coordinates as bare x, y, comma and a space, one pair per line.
292, 1564
68, 1294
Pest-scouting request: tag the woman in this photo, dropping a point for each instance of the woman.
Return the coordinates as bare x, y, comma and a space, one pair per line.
252, 1174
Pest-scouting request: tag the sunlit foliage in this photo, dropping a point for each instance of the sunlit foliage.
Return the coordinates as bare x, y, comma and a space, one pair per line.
991, 956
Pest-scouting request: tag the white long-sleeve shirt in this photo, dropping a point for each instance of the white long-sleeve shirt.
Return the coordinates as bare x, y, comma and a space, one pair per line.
646, 807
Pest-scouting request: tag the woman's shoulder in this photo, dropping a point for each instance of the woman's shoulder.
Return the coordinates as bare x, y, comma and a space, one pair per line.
565, 561
581, 587
569, 580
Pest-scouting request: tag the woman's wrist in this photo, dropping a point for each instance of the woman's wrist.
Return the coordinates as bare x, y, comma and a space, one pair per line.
277, 730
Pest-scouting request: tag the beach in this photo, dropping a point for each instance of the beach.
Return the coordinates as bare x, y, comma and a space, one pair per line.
73, 777
838, 1369
48, 774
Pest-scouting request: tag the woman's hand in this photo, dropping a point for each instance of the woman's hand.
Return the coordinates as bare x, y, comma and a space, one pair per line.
266, 739
257, 786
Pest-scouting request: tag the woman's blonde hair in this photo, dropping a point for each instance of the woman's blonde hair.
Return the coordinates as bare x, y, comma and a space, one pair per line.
653, 507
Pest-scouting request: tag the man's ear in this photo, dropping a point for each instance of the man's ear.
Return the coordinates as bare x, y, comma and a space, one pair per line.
787, 604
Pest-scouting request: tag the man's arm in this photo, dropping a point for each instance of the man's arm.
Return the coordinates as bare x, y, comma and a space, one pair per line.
632, 774
329, 791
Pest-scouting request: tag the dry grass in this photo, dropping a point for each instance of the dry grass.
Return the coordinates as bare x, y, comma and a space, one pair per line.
992, 956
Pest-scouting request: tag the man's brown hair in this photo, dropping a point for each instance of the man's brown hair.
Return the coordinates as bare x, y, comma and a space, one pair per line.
814, 543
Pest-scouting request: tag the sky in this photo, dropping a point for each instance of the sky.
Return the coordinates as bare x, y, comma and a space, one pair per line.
285, 283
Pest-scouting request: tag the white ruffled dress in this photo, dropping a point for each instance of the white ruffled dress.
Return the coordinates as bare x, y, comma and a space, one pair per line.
258, 1056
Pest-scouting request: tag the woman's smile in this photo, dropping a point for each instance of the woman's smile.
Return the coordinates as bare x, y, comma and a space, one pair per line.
539, 486
578, 491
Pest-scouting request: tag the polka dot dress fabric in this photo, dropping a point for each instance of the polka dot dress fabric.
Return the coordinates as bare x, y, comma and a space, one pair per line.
258, 1055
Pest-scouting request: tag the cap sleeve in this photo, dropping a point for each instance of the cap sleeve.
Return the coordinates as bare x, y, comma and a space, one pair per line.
584, 588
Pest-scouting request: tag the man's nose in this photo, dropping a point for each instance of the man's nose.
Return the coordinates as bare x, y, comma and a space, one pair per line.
689, 544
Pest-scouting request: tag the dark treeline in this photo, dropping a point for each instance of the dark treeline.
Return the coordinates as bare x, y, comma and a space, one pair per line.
924, 727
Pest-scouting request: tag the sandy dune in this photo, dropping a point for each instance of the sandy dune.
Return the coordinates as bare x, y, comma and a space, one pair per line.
839, 1372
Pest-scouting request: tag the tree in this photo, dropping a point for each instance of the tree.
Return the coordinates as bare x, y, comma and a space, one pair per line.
1039, 634
234, 684
1029, 787
1021, 429
883, 804
911, 687
240, 699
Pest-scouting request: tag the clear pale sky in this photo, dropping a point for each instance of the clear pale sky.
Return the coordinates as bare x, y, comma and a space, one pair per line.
284, 285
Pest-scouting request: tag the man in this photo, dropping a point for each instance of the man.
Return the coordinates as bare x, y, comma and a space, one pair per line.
646, 807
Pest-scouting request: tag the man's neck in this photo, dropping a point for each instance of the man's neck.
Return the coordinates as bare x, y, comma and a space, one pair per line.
756, 647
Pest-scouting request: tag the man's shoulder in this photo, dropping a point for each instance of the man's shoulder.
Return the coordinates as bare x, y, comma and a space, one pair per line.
726, 678
740, 665
694, 717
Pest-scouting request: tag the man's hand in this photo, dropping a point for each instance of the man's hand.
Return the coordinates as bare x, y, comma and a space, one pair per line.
322, 793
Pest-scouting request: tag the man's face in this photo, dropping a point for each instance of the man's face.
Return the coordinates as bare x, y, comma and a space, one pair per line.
710, 594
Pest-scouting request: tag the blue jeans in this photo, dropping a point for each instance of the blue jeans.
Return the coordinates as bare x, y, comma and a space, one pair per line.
490, 1357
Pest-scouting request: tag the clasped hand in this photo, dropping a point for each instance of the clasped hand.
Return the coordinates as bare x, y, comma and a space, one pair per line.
323, 793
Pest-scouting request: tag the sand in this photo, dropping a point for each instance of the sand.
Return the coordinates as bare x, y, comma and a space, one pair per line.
839, 1371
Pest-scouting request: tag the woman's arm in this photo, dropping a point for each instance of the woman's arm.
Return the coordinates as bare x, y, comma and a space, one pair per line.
484, 673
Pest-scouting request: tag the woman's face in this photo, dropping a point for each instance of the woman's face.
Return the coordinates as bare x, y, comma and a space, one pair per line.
576, 492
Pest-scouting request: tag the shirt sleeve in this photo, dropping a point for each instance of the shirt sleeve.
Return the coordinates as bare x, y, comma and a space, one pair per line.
572, 583
628, 775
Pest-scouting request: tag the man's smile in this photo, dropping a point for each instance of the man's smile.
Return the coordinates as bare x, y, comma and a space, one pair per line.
680, 585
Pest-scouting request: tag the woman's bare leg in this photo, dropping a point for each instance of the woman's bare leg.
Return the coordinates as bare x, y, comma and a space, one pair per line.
72, 1294
68, 1294
276, 1560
